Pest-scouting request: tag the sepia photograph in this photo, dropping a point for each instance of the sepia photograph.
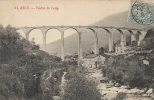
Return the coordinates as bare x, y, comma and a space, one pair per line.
76, 49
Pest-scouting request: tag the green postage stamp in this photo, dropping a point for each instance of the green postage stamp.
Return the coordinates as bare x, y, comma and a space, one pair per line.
141, 12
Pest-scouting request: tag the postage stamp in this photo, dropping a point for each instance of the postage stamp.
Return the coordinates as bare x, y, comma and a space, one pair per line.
142, 13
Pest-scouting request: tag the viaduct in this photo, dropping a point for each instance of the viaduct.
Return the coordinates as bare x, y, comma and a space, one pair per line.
79, 30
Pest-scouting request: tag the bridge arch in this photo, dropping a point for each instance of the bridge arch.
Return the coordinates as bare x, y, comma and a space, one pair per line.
132, 33
51, 29
110, 40
89, 45
123, 37
30, 30
68, 32
138, 36
103, 38
72, 28
37, 35
51, 35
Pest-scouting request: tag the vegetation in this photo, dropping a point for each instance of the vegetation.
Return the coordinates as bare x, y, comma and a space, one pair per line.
29, 73
23, 69
120, 96
148, 41
78, 87
130, 72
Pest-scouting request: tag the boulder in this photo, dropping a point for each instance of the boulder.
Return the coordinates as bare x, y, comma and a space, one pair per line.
117, 85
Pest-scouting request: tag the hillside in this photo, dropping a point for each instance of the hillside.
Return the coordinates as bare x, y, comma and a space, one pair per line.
116, 20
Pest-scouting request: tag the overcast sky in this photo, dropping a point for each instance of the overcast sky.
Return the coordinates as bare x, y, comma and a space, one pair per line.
69, 13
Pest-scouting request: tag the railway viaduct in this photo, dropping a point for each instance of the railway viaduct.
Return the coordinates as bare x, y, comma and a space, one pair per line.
79, 30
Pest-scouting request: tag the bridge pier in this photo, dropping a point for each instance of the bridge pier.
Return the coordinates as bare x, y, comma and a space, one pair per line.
125, 39
95, 44
79, 49
122, 39
110, 42
133, 38
27, 36
62, 45
140, 38
44, 41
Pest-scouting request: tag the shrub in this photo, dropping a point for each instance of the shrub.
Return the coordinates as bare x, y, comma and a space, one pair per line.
120, 96
74, 71
104, 70
80, 88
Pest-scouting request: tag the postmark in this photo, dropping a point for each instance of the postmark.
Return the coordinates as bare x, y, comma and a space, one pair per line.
142, 13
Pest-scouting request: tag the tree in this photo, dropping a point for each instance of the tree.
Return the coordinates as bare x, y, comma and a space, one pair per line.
101, 50
11, 46
17, 69
134, 43
130, 72
148, 43
81, 88
92, 52
120, 96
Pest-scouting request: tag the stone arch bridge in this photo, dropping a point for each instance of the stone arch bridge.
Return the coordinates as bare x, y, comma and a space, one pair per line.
79, 29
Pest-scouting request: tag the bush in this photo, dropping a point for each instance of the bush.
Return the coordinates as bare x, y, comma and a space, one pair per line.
80, 88
130, 72
120, 96
74, 71
18, 66
104, 70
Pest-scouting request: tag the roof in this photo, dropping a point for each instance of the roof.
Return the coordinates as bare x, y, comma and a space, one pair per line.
91, 56
118, 45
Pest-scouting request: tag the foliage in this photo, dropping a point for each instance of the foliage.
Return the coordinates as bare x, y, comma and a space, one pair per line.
130, 72
101, 51
50, 82
70, 62
81, 88
147, 43
21, 71
74, 71
120, 96
134, 43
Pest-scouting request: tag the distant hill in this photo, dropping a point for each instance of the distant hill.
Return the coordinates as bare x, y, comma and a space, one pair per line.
71, 42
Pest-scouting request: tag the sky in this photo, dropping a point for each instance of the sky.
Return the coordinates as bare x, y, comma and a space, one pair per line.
69, 13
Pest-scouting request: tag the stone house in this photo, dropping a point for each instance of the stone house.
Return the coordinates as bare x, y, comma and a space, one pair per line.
121, 49
93, 60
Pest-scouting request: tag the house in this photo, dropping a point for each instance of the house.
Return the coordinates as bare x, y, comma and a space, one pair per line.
121, 49
93, 60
